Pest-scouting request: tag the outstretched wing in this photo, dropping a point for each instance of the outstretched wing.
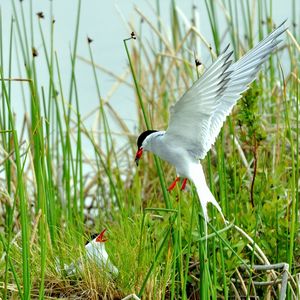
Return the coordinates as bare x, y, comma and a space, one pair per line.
198, 116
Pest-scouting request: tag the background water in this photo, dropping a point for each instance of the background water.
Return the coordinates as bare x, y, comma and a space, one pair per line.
106, 22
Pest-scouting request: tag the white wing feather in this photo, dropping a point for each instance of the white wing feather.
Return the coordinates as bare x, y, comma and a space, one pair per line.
197, 118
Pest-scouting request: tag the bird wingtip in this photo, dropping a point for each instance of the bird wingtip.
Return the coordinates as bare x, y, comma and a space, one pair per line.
226, 48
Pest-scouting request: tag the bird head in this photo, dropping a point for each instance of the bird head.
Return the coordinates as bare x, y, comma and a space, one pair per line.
97, 239
141, 144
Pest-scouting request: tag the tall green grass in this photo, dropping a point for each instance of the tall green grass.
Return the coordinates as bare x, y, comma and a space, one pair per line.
155, 237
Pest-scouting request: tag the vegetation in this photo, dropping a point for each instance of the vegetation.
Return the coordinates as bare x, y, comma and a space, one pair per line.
53, 194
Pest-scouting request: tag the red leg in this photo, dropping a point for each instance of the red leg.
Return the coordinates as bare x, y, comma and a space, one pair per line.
183, 184
173, 184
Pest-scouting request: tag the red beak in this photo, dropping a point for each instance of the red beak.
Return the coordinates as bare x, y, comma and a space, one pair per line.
138, 155
100, 238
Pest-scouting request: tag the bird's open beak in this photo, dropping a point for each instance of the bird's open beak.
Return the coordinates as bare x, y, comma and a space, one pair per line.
138, 155
100, 238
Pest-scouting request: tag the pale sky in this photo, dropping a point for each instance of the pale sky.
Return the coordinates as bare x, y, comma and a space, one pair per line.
103, 21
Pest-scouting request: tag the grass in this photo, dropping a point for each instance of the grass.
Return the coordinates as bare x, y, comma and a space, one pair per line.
54, 193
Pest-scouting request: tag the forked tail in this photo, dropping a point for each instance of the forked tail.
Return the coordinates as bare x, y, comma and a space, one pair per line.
204, 193
205, 197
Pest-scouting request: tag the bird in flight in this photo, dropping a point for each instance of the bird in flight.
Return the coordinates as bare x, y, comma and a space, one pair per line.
198, 116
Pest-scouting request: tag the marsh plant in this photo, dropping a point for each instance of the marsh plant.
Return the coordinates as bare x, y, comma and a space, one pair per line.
62, 179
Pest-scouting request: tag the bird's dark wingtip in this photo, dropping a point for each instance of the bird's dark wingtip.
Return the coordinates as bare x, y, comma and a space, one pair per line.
226, 48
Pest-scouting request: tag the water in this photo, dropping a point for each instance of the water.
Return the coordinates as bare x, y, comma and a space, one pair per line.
106, 22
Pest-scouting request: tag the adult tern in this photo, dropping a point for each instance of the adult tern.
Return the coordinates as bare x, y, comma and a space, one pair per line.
198, 116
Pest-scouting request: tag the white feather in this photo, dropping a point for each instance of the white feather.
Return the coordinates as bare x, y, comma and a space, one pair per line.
199, 114
96, 252
197, 118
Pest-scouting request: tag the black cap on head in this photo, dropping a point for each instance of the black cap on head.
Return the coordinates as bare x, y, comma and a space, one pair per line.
142, 137
94, 235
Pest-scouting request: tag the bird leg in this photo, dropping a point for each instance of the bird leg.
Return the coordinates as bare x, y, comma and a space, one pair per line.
173, 184
183, 184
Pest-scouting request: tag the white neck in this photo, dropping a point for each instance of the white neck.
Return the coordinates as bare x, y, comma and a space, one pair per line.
153, 142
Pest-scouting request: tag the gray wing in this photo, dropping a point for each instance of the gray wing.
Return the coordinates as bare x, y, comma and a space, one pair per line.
198, 116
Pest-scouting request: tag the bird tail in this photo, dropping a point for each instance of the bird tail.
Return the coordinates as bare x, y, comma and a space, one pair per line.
205, 197
204, 193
